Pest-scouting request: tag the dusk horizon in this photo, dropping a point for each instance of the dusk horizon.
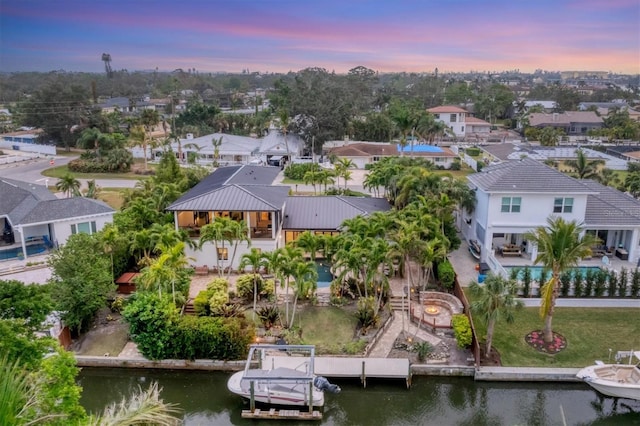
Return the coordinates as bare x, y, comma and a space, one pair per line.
283, 36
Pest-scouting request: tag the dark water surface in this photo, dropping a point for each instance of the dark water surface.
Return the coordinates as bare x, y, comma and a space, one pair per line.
205, 400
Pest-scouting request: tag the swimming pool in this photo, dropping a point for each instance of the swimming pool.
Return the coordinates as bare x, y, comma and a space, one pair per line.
324, 274
536, 271
15, 252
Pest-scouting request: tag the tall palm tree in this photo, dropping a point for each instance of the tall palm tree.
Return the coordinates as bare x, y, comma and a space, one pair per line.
305, 277
561, 245
284, 128
68, 184
494, 300
255, 259
343, 166
138, 137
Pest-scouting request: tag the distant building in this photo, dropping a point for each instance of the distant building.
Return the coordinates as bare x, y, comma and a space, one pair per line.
571, 122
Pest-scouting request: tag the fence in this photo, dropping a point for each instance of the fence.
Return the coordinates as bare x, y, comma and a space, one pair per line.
475, 345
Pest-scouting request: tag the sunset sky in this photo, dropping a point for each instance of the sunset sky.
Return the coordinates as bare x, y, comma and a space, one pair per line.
288, 35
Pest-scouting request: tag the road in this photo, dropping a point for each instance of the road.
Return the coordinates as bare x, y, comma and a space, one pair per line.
31, 171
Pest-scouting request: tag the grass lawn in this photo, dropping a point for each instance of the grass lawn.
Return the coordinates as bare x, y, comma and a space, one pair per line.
59, 171
590, 332
330, 328
112, 196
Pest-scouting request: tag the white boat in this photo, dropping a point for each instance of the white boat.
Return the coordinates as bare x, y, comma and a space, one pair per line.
475, 249
293, 386
617, 380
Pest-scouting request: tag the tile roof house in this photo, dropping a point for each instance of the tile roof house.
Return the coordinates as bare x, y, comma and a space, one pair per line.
273, 218
453, 117
515, 197
571, 122
31, 215
364, 153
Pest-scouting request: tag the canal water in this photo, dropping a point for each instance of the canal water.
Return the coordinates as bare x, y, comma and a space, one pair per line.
205, 400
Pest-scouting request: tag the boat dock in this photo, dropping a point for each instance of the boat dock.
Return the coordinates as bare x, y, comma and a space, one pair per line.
347, 367
273, 414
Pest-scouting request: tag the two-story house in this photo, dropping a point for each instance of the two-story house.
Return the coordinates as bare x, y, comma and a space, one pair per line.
453, 117
573, 123
515, 197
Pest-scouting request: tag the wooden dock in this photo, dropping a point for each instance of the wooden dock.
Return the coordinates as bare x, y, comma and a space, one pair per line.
348, 367
273, 414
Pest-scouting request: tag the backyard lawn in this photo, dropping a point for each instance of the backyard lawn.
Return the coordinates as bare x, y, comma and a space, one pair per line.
330, 328
590, 333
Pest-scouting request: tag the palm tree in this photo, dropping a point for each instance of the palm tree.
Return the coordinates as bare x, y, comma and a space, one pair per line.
585, 169
142, 408
138, 137
305, 276
495, 299
632, 184
561, 245
255, 259
284, 128
291, 256
308, 242
68, 184
342, 169
312, 177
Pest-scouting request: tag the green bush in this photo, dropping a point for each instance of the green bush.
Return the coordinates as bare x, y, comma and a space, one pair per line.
473, 152
297, 171
269, 316
216, 294
355, 347
455, 165
423, 349
212, 338
152, 322
462, 330
366, 312
446, 274
244, 285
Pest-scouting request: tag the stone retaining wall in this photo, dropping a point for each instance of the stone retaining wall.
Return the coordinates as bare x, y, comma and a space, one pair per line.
169, 364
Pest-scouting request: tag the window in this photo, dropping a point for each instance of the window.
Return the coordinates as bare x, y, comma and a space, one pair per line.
437, 116
84, 228
223, 253
453, 118
563, 205
511, 204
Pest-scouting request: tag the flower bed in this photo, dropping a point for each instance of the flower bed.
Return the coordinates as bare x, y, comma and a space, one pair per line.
535, 339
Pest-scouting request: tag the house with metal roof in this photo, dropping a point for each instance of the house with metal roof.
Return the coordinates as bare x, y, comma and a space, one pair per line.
32, 219
514, 197
272, 217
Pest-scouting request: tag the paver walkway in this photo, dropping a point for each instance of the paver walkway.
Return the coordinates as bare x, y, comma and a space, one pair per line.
385, 344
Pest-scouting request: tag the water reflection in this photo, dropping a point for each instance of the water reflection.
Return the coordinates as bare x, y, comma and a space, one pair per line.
431, 401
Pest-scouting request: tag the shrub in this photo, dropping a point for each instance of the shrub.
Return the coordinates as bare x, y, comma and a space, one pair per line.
635, 283
269, 316
297, 171
588, 283
577, 284
355, 347
526, 282
473, 152
214, 296
118, 304
366, 312
600, 283
461, 330
446, 274
244, 285
565, 283
423, 349
613, 283
212, 338
229, 310
623, 282
455, 165
152, 322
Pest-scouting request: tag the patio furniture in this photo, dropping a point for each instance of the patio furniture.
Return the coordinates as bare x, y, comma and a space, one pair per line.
622, 254
511, 250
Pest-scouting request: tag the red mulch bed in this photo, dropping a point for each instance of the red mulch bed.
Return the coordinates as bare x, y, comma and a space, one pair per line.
535, 339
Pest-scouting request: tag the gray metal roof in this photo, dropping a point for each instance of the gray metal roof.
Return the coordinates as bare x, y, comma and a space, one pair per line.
65, 208
241, 175
328, 212
610, 207
235, 198
525, 175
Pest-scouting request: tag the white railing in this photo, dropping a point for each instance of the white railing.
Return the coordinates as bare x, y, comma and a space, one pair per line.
496, 267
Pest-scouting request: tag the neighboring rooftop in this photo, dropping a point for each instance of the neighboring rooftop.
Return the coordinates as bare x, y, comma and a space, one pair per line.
328, 212
525, 175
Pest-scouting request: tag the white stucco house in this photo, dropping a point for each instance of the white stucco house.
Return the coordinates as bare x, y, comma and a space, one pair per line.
453, 117
514, 197
33, 220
